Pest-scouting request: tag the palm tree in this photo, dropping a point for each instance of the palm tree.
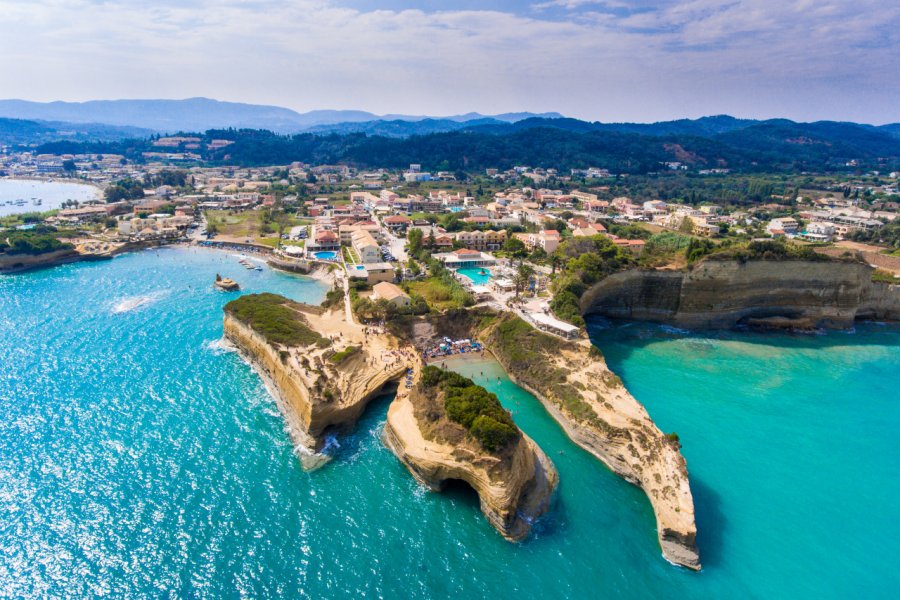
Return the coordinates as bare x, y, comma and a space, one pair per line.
556, 261
522, 277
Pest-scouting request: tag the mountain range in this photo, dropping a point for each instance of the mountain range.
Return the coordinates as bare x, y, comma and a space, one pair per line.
200, 114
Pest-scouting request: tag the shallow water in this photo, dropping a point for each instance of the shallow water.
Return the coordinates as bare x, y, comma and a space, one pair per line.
52, 194
138, 457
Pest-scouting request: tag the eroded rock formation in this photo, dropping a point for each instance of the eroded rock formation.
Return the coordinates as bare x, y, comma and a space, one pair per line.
514, 484
719, 294
573, 383
324, 383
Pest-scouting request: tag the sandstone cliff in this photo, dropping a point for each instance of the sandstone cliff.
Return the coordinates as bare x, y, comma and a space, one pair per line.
16, 263
514, 485
573, 383
321, 385
724, 293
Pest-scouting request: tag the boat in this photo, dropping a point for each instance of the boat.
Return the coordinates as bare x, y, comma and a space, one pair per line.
225, 284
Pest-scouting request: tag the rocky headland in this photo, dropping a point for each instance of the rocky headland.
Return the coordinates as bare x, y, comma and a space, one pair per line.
572, 381
73, 252
322, 370
721, 294
429, 431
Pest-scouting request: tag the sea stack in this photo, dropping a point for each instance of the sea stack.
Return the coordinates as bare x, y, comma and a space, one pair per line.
225, 284
321, 369
443, 427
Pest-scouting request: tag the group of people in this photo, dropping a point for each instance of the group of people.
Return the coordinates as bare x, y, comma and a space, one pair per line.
393, 357
448, 347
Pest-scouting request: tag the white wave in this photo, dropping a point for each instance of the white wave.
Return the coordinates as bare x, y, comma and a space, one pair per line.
132, 303
220, 346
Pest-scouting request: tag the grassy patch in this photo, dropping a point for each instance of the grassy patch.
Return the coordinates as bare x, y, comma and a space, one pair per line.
882, 276
438, 294
271, 242
339, 357
273, 318
236, 224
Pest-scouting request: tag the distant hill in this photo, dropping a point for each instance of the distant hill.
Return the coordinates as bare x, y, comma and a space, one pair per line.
892, 128
770, 146
399, 128
21, 131
200, 114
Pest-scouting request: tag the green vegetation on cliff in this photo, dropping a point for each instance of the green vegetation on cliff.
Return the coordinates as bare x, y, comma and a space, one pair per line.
39, 241
776, 249
339, 357
584, 261
473, 407
528, 356
273, 317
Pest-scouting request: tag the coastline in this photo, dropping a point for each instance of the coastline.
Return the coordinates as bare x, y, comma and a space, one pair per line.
302, 442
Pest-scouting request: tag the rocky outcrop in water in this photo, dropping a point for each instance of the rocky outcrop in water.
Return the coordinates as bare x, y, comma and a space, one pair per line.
719, 294
514, 484
573, 383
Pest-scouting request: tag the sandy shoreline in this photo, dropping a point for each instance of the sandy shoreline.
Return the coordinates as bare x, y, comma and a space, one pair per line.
467, 358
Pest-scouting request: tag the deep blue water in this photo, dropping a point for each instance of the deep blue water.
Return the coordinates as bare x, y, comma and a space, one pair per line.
137, 458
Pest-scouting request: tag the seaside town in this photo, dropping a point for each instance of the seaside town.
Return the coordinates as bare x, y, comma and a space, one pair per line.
419, 240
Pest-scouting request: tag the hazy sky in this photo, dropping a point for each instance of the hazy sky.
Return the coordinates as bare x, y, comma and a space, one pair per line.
610, 60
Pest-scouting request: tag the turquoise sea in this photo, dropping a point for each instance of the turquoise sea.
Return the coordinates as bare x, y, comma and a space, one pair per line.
138, 458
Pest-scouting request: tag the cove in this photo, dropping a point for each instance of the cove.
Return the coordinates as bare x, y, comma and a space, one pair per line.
137, 457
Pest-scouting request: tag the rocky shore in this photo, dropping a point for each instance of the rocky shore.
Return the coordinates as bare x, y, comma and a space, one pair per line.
324, 377
572, 381
323, 371
514, 484
81, 251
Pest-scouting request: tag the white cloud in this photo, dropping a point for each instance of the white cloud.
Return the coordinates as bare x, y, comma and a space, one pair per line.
800, 59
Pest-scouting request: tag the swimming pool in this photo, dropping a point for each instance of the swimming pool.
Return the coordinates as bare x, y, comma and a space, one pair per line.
325, 255
477, 275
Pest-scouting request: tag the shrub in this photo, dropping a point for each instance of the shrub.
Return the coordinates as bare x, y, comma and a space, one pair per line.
473, 407
565, 306
333, 298
31, 242
339, 357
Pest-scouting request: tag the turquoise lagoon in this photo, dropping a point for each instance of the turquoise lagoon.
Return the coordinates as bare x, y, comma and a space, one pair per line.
140, 458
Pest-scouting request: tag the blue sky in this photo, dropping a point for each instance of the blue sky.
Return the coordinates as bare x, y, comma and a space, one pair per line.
610, 60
